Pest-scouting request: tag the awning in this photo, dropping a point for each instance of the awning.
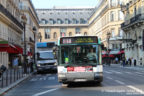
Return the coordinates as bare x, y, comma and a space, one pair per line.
104, 56
121, 52
112, 56
10, 48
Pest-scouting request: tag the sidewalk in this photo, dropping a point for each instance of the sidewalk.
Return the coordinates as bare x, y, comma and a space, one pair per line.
11, 78
128, 67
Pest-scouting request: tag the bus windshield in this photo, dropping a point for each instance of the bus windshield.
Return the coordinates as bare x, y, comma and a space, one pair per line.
76, 55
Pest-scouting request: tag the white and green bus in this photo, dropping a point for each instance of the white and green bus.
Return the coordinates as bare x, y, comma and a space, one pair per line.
79, 59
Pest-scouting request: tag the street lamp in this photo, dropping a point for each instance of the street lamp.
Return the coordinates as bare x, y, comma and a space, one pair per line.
24, 20
34, 30
39, 36
108, 37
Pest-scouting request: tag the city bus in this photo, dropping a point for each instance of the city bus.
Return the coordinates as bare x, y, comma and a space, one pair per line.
79, 59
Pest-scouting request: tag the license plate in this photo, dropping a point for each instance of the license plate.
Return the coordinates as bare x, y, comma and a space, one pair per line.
80, 80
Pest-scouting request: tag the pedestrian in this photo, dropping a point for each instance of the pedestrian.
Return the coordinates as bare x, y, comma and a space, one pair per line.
2, 70
15, 62
116, 60
134, 62
129, 61
123, 61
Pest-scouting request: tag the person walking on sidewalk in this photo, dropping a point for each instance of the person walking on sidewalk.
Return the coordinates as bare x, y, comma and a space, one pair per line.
134, 62
123, 61
129, 61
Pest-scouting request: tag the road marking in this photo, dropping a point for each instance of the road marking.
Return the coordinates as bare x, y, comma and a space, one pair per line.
107, 72
51, 78
48, 91
120, 82
128, 72
136, 89
138, 73
109, 78
34, 79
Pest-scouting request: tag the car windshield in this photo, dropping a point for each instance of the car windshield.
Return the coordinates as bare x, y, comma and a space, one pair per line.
79, 55
45, 55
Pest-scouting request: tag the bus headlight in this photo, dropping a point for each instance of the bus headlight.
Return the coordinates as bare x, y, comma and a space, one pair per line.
61, 75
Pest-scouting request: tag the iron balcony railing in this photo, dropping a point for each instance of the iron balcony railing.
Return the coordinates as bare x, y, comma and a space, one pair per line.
136, 19
10, 16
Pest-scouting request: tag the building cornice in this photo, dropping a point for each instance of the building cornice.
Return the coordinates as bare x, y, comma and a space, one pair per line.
5, 12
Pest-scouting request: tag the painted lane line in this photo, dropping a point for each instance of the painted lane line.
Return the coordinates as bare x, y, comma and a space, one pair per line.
34, 79
51, 78
120, 82
48, 91
128, 72
136, 89
109, 78
108, 72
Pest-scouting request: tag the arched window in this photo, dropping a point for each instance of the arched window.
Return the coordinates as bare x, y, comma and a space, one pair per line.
85, 34
75, 21
47, 33
51, 21
82, 21
63, 32
55, 35
59, 21
43, 21
112, 16
70, 33
77, 30
67, 21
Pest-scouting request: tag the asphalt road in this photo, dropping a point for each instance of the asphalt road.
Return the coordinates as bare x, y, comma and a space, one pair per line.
117, 82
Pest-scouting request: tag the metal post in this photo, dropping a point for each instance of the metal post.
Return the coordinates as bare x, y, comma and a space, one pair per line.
25, 67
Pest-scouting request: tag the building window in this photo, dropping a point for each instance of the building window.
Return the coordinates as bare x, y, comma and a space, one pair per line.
51, 21
112, 16
120, 32
67, 21
82, 21
47, 33
75, 21
135, 11
55, 35
63, 32
77, 30
121, 15
70, 33
85, 34
43, 21
113, 3
120, 2
59, 21
113, 33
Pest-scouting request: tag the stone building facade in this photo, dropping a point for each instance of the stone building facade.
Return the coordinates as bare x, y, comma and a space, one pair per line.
10, 31
133, 27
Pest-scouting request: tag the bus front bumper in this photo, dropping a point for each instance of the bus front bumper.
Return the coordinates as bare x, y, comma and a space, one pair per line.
80, 77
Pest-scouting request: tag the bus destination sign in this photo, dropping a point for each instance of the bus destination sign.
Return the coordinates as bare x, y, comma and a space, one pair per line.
76, 40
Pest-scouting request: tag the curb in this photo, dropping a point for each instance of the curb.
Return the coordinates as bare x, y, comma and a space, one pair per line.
6, 89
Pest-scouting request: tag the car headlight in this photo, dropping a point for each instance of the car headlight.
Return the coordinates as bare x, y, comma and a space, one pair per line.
38, 65
55, 63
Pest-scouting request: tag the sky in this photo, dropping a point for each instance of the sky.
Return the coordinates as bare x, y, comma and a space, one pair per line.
64, 3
